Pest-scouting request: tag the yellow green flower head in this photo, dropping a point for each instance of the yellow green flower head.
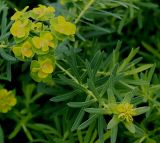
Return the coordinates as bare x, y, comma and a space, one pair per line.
43, 43
7, 100
42, 12
20, 28
23, 51
37, 27
19, 14
126, 111
43, 68
63, 27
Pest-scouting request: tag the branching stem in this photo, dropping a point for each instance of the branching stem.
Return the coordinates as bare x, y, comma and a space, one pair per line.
84, 10
84, 87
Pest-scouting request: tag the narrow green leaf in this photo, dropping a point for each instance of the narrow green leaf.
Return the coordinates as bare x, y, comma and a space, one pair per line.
80, 138
88, 122
45, 128
80, 36
92, 87
130, 94
140, 140
136, 82
93, 137
96, 62
118, 46
7, 75
89, 133
155, 87
96, 110
72, 61
151, 72
141, 110
114, 71
7, 56
65, 96
122, 23
148, 4
114, 131
104, 13
141, 132
78, 120
140, 69
15, 131
113, 122
98, 28
81, 104
137, 100
132, 63
128, 59
104, 88
89, 71
111, 97
130, 126
1, 135
3, 37
100, 128
4, 20
105, 136
28, 134
151, 49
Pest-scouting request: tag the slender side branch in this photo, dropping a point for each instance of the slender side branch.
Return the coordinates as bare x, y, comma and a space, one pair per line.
85, 88
84, 10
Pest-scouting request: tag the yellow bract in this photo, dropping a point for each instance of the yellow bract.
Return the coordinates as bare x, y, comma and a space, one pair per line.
41, 74
18, 14
20, 29
126, 111
24, 50
43, 42
7, 100
46, 68
42, 11
64, 27
27, 50
36, 26
42, 68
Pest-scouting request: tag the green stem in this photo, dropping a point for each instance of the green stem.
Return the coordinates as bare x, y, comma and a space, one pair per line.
84, 87
84, 10
72, 77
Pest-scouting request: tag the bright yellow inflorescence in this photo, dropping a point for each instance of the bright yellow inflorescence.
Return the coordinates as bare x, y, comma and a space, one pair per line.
23, 51
44, 42
42, 68
125, 112
7, 100
20, 28
42, 12
64, 27
37, 33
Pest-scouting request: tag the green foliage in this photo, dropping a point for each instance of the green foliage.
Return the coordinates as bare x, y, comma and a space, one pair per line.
95, 87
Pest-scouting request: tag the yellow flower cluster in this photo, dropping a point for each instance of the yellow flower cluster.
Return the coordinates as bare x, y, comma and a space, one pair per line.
42, 12
20, 28
7, 100
37, 32
126, 111
42, 68
62, 26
